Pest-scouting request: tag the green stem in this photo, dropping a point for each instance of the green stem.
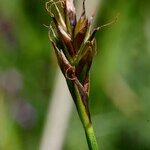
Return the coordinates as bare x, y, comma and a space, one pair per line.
91, 139
90, 135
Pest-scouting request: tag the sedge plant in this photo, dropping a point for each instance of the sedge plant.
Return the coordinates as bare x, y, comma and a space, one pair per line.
74, 44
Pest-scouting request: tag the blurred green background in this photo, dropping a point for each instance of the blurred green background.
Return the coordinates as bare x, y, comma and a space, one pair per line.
120, 77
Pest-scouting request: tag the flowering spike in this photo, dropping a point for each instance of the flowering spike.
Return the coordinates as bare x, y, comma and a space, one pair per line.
74, 45
74, 55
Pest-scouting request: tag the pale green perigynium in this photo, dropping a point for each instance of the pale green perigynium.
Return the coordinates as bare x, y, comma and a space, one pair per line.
74, 45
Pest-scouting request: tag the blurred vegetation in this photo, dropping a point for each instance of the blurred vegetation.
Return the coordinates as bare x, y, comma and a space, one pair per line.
120, 77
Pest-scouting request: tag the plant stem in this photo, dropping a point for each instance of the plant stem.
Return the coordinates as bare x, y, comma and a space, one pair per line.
91, 139
86, 122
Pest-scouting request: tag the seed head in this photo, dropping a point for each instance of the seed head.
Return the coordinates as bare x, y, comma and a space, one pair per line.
74, 44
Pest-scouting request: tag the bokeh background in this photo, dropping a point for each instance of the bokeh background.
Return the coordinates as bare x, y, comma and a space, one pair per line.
120, 77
